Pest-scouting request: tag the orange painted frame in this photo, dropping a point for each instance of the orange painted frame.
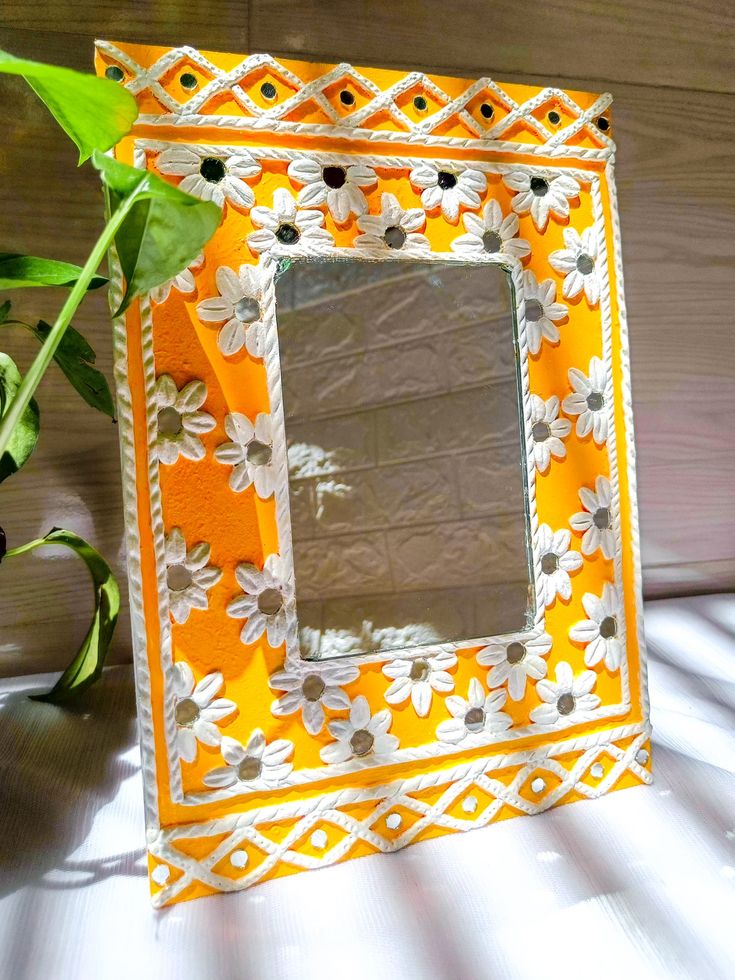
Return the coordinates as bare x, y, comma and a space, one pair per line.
205, 836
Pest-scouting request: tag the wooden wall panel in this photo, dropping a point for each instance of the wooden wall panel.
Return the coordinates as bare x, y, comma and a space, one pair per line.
677, 200
654, 42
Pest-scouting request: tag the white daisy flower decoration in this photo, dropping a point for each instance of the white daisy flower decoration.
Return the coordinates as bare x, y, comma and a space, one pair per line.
211, 176
266, 594
541, 196
547, 431
179, 421
184, 283
491, 234
417, 679
595, 521
542, 312
255, 764
197, 711
569, 697
480, 713
286, 224
188, 576
250, 453
587, 401
449, 188
337, 186
557, 561
603, 632
238, 308
311, 691
514, 662
393, 228
577, 263
361, 736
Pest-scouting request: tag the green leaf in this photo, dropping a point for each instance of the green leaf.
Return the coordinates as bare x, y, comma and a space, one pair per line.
17, 271
4, 311
75, 357
164, 232
25, 434
87, 665
94, 112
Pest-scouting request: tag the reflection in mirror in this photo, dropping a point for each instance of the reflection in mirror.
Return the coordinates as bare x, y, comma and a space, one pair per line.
407, 489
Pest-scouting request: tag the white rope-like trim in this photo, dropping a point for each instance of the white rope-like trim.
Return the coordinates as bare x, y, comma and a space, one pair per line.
280, 456
132, 546
583, 120
611, 443
627, 400
158, 532
379, 160
243, 828
350, 125
264, 128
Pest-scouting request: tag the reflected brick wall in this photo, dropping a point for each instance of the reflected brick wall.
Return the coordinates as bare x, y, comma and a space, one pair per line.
401, 400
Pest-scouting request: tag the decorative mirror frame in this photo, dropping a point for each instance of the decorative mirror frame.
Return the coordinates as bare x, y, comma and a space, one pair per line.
257, 762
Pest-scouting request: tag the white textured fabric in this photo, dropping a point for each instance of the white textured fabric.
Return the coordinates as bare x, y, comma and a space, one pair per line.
639, 884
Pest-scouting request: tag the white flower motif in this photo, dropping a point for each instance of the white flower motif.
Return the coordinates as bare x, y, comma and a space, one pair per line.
238, 303
541, 311
211, 176
184, 283
197, 711
263, 604
557, 561
547, 431
393, 228
479, 713
568, 698
449, 187
419, 678
179, 422
577, 263
491, 235
541, 196
336, 185
188, 576
310, 690
515, 662
587, 401
255, 765
285, 224
360, 736
250, 453
602, 632
595, 521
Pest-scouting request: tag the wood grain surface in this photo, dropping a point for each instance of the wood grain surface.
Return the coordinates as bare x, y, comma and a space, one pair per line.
669, 68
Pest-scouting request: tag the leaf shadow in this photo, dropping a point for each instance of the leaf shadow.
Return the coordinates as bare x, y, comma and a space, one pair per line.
59, 768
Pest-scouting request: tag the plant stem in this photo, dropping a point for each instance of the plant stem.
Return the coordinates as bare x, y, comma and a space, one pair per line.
45, 355
22, 548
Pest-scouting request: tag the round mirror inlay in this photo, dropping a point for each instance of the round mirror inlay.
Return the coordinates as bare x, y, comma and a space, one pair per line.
474, 720
515, 652
259, 453
362, 742
287, 234
394, 237
178, 578
270, 601
565, 704
212, 169
186, 712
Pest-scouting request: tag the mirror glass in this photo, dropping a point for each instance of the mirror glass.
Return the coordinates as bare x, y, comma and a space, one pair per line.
407, 491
